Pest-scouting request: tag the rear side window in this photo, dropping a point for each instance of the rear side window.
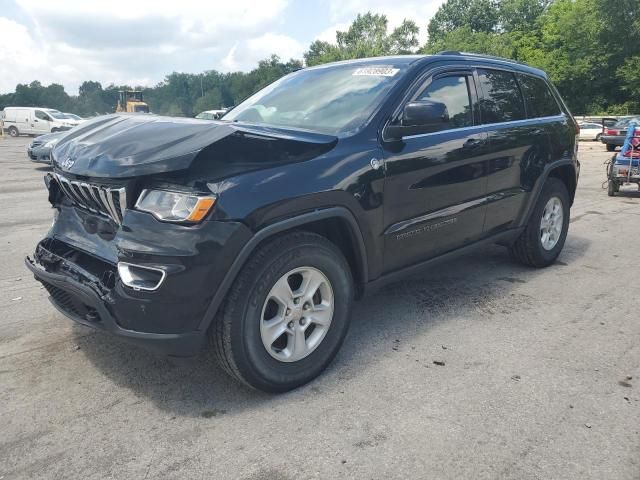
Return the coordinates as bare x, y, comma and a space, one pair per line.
502, 101
540, 100
453, 91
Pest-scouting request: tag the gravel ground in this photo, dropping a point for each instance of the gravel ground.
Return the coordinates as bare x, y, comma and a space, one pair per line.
540, 373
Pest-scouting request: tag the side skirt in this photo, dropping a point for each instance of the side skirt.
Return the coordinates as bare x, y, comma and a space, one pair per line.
503, 238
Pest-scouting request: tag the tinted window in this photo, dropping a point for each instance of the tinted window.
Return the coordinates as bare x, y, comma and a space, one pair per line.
540, 100
453, 91
502, 100
41, 115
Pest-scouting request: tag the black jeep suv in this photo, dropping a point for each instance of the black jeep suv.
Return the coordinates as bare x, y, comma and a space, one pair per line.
258, 231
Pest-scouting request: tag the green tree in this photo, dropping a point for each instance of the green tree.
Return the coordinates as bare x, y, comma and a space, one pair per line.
478, 16
367, 36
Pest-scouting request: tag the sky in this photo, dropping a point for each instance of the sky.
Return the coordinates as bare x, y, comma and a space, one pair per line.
139, 42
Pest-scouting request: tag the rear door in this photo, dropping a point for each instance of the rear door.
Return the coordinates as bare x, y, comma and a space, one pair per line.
517, 146
22, 120
435, 184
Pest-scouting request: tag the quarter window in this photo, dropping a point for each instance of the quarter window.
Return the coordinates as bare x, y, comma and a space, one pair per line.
453, 91
540, 100
502, 101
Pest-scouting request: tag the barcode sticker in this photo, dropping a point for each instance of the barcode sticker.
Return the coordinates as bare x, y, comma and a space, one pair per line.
376, 71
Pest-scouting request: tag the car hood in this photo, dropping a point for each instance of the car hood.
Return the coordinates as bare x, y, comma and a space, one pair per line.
121, 145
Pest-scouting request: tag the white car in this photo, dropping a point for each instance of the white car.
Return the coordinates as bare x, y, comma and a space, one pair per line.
75, 119
590, 131
211, 114
34, 121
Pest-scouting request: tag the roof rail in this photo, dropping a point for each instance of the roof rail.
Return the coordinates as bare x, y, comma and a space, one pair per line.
469, 54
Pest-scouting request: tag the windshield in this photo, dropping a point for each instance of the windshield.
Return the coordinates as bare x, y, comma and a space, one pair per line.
57, 114
72, 116
329, 99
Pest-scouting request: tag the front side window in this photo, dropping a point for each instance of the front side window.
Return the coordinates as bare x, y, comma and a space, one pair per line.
453, 92
540, 100
41, 115
330, 99
502, 101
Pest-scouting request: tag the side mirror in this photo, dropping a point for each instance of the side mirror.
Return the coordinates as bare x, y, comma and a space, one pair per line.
421, 116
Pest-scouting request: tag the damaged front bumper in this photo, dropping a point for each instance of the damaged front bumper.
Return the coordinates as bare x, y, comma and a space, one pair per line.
152, 283
88, 300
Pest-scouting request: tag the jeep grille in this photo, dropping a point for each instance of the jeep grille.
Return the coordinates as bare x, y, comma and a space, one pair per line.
107, 201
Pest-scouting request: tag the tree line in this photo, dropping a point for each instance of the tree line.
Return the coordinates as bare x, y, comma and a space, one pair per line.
589, 48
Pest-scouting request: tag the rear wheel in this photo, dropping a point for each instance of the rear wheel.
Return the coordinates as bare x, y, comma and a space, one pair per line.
543, 238
612, 188
13, 131
286, 315
610, 148
598, 137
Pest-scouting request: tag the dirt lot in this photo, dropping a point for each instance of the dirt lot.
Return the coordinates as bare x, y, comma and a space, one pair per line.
541, 376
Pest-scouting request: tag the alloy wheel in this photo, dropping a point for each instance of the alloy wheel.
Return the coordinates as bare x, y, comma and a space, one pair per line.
297, 314
551, 223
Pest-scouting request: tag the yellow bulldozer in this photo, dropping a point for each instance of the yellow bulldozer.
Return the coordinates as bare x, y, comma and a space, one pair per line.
131, 101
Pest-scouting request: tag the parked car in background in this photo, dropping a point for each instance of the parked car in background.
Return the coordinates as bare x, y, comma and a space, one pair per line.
257, 232
590, 131
39, 150
614, 136
75, 119
211, 114
35, 121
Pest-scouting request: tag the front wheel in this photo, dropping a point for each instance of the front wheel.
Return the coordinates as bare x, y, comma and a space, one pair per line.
286, 315
612, 188
543, 238
610, 148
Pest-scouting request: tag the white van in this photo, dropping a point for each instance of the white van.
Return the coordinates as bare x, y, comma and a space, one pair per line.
34, 121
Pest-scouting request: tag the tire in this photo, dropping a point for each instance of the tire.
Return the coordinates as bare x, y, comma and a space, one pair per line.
611, 188
13, 131
237, 332
598, 137
528, 248
54, 130
610, 148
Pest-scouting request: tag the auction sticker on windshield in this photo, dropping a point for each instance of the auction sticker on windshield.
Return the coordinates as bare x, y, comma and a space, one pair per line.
377, 71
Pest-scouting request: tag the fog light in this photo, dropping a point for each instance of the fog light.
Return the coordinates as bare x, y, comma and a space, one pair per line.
139, 277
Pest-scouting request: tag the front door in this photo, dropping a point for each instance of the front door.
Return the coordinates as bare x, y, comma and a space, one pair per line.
41, 122
435, 184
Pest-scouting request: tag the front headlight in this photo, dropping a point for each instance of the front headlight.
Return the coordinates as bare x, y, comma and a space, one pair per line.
174, 206
51, 143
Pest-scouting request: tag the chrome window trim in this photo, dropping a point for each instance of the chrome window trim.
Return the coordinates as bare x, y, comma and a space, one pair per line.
490, 125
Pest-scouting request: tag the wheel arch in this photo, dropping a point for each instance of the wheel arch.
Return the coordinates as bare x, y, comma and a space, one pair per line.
563, 170
337, 224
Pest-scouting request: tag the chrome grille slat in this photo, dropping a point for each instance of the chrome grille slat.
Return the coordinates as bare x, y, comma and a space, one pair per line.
122, 197
112, 205
96, 198
104, 195
94, 191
